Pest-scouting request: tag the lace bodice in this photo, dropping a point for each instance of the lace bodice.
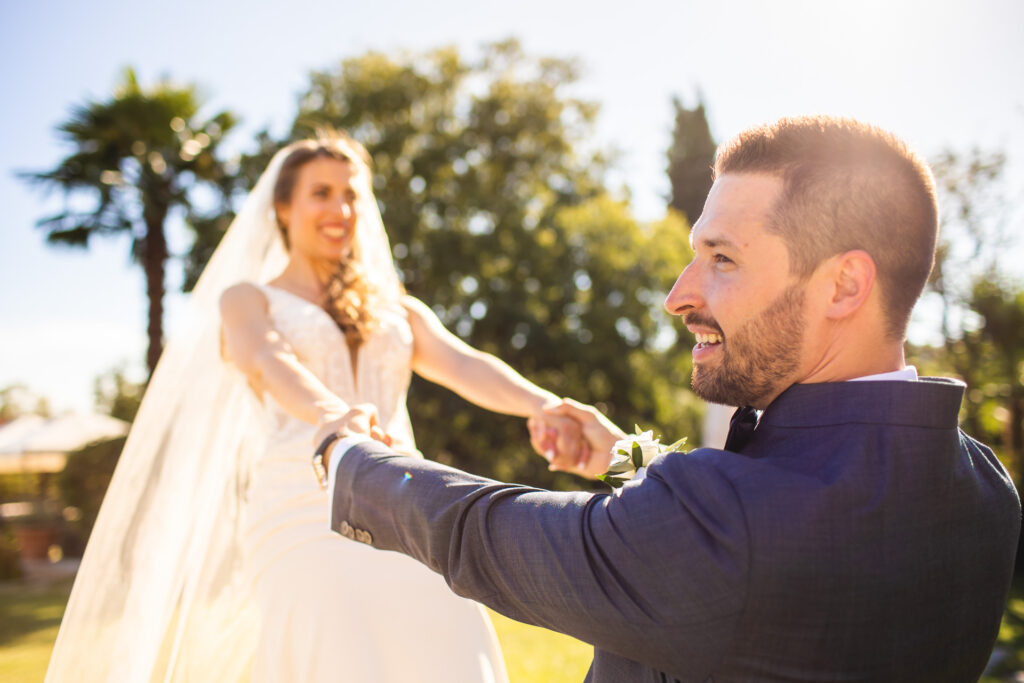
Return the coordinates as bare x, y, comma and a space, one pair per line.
382, 371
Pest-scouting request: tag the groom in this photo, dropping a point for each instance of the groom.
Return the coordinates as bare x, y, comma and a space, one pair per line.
849, 530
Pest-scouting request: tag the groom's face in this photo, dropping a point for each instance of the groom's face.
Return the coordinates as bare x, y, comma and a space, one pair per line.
738, 297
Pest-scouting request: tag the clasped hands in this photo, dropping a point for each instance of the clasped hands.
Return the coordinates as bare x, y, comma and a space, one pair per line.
571, 436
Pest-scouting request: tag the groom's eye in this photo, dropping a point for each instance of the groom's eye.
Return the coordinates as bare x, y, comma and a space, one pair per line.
721, 258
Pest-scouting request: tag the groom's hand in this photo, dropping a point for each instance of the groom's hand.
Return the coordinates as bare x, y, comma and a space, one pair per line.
360, 419
599, 432
559, 440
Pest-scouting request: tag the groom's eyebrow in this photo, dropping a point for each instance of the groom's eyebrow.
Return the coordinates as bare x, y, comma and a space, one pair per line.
715, 242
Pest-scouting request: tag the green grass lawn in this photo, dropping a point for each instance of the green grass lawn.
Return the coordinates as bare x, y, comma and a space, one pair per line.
537, 655
1009, 649
29, 617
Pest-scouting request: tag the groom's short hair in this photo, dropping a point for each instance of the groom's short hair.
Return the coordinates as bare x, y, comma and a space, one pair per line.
846, 185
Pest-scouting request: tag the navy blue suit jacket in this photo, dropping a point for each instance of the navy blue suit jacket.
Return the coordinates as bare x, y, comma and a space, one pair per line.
859, 536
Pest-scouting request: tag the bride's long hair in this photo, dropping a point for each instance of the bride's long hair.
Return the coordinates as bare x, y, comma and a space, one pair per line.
160, 595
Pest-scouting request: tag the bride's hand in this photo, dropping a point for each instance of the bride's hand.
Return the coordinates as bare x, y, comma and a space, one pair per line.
599, 434
559, 440
358, 419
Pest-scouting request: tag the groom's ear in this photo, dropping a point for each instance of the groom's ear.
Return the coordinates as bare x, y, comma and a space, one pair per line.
851, 279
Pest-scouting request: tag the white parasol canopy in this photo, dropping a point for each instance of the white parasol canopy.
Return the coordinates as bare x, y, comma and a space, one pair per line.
31, 443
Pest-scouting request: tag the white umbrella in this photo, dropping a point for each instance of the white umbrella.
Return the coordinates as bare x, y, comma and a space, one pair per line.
31, 443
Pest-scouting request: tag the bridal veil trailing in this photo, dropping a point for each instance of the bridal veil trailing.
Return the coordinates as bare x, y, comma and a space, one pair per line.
160, 595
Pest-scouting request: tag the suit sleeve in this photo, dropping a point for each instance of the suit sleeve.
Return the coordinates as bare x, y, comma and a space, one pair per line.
656, 574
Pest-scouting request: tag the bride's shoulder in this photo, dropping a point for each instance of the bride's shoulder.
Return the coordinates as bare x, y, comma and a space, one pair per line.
415, 308
422, 319
242, 299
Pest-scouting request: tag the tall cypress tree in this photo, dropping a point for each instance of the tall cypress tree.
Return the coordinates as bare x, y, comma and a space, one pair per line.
690, 159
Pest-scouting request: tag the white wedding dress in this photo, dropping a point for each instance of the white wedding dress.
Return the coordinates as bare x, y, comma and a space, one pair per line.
212, 557
331, 609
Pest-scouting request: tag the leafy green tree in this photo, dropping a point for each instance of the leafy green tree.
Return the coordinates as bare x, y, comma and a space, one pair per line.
968, 282
974, 235
690, 159
136, 155
1001, 308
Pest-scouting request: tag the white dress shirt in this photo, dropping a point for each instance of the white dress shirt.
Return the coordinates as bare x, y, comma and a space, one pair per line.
337, 452
907, 374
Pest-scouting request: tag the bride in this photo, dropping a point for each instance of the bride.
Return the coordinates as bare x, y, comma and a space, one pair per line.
211, 558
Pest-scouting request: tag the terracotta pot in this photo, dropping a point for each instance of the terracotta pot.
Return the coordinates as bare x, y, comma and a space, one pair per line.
35, 540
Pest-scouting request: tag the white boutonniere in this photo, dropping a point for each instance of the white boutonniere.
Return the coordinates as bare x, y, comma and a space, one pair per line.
630, 456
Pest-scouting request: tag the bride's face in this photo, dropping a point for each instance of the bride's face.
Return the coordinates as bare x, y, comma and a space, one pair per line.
321, 217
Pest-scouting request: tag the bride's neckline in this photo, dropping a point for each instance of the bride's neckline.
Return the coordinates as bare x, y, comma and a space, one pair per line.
293, 294
353, 352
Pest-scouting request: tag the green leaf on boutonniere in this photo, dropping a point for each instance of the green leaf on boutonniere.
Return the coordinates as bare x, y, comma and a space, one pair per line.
614, 482
677, 446
638, 456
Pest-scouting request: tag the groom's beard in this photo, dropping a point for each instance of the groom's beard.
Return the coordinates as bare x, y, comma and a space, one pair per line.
757, 361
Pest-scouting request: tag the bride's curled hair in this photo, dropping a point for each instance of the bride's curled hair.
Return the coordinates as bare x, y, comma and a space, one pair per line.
350, 295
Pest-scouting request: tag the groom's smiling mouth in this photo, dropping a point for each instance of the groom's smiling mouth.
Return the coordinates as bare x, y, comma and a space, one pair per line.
707, 333
707, 344
707, 339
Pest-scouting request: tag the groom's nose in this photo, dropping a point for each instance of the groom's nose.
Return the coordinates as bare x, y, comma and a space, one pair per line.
685, 294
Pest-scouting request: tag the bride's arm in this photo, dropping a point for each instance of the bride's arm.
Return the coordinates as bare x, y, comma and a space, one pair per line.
483, 379
251, 343
443, 358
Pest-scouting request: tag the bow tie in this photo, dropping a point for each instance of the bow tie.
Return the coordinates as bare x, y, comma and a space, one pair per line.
741, 427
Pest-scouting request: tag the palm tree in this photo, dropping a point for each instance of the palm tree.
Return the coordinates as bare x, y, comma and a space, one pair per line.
137, 155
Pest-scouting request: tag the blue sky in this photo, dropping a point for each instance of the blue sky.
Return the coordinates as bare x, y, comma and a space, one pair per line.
939, 73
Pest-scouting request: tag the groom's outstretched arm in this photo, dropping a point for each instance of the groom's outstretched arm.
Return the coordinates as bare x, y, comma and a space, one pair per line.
656, 574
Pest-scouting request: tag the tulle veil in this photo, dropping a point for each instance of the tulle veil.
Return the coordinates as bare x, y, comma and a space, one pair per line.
159, 595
